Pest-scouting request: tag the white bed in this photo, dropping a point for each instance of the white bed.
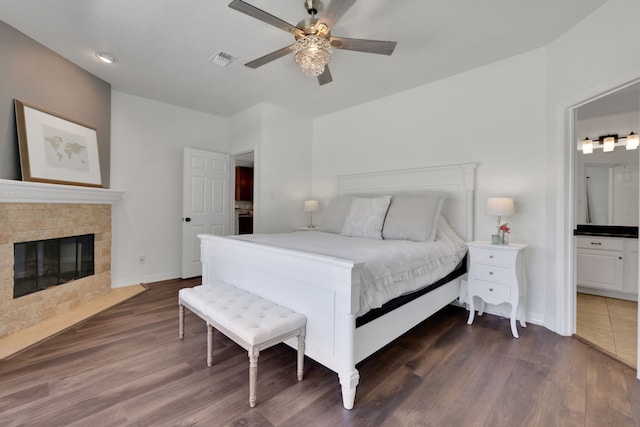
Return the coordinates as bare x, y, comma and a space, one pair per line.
327, 289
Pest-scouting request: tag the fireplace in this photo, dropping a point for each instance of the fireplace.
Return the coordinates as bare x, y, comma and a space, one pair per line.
41, 264
32, 211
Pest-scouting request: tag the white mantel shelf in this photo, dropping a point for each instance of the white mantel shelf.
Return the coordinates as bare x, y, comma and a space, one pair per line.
12, 191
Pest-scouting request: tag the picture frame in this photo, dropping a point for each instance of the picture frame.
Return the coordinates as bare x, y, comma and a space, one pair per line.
56, 149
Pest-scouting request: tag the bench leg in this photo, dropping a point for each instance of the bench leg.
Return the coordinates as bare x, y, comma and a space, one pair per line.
253, 374
301, 354
181, 321
209, 345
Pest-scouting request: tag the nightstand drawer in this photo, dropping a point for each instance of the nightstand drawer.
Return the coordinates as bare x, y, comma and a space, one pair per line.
492, 292
491, 273
491, 257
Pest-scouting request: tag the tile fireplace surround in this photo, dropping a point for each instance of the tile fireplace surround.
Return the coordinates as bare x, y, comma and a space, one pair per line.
32, 211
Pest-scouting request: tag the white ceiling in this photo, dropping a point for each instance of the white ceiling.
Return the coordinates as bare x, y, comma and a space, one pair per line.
163, 46
626, 100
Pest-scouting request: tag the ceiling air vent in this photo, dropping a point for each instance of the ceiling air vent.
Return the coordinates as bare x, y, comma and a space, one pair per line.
222, 58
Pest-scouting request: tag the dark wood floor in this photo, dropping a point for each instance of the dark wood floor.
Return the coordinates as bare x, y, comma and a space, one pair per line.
127, 367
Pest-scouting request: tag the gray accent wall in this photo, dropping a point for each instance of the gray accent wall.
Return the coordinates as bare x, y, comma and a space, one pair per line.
38, 76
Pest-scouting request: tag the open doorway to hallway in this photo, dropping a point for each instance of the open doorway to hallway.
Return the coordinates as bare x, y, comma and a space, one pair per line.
243, 193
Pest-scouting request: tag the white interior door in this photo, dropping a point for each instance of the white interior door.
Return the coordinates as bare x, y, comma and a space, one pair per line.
205, 203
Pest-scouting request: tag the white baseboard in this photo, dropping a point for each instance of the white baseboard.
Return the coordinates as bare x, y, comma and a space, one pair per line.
128, 281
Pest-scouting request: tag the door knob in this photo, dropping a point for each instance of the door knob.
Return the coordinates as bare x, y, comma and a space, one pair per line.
187, 219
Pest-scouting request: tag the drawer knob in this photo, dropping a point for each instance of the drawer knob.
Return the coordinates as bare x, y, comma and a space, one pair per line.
597, 243
491, 273
491, 256
490, 289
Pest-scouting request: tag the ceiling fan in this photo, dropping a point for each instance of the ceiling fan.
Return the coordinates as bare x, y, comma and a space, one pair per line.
314, 43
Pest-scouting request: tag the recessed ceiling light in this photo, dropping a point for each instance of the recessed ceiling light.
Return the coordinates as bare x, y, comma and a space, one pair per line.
106, 57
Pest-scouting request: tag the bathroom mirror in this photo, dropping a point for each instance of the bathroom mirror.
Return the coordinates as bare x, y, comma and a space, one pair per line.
599, 194
610, 194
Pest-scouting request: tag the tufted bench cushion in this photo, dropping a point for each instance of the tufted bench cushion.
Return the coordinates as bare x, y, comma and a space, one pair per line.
251, 321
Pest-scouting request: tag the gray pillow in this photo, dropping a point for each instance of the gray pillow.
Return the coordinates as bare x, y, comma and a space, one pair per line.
366, 217
413, 217
335, 214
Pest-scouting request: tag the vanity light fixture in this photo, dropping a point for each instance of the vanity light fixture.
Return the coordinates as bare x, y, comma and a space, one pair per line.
608, 143
105, 57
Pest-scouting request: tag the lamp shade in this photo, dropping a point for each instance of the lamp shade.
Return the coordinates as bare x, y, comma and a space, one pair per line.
310, 205
500, 206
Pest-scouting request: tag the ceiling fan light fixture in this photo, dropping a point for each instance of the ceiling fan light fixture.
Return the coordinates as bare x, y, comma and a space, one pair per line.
312, 53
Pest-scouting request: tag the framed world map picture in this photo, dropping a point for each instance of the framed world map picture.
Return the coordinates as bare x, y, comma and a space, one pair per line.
56, 149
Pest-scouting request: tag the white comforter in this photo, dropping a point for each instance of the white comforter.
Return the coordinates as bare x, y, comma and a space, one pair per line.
391, 267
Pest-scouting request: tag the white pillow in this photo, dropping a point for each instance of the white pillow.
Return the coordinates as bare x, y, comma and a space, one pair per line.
366, 217
413, 217
336, 213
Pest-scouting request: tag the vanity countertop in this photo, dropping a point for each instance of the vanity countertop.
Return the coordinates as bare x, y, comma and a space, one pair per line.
606, 231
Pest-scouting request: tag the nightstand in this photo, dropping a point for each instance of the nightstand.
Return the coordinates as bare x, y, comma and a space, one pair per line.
496, 276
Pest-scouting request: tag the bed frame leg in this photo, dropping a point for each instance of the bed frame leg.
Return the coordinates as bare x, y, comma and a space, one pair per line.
349, 381
181, 321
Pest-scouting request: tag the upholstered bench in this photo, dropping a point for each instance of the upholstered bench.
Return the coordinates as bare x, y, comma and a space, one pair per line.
252, 322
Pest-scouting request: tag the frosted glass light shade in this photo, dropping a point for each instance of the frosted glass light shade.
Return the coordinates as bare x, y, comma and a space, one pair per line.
609, 144
587, 146
500, 206
633, 141
310, 205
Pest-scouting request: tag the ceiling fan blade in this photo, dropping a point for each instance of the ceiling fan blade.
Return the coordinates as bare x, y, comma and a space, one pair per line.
269, 57
370, 46
334, 11
325, 77
263, 16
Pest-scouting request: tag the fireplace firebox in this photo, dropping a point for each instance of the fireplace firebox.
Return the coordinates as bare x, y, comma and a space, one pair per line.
41, 264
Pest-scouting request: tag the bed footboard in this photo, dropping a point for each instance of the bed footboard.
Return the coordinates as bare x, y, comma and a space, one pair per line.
323, 288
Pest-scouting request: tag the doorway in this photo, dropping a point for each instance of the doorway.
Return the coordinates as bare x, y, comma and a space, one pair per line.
243, 190
606, 199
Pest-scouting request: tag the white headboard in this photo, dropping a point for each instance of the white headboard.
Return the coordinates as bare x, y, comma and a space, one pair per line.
455, 182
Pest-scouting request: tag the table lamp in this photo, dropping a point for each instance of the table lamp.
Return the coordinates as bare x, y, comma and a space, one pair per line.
311, 206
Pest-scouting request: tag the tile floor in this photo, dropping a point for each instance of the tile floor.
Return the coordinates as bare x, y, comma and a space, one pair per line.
609, 323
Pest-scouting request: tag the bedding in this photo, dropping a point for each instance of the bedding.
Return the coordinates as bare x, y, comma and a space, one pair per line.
366, 217
336, 213
413, 217
391, 267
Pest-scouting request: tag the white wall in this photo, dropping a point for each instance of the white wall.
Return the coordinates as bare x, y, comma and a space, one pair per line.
147, 142
597, 55
494, 115
282, 169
